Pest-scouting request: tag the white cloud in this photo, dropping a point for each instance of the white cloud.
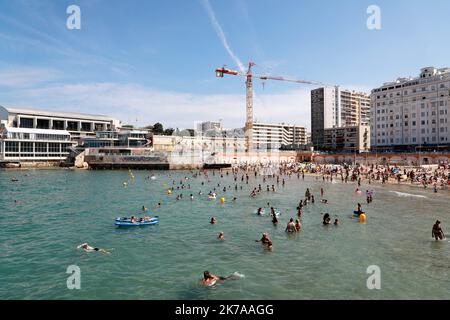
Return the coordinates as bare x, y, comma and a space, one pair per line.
26, 76
129, 102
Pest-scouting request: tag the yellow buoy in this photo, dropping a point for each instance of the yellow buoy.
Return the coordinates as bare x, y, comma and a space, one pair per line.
222, 200
362, 218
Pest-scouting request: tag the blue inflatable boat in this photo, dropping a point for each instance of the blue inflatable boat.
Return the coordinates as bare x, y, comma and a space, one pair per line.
126, 222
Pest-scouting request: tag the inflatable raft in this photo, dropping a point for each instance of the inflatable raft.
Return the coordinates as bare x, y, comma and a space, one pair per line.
126, 222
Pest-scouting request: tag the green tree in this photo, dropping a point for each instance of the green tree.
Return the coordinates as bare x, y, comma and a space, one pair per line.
168, 132
158, 128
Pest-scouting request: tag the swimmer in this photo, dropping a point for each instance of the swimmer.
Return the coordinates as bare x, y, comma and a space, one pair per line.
437, 231
324, 201
291, 226
192, 196
260, 211
326, 219
336, 222
86, 247
210, 279
158, 205
213, 220
221, 236
234, 199
144, 208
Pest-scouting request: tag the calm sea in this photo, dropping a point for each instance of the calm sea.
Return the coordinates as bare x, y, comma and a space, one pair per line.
59, 209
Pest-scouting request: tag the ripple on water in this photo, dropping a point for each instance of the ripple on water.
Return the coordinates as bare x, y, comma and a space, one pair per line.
58, 210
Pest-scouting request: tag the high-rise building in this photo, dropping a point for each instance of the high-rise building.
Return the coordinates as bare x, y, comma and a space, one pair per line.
349, 138
412, 112
270, 136
334, 107
208, 127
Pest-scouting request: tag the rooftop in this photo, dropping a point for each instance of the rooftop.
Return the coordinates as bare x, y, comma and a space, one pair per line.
57, 114
38, 131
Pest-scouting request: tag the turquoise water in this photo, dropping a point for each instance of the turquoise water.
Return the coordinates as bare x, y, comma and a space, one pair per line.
60, 209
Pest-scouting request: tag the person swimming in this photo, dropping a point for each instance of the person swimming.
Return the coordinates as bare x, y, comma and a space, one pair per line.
211, 279
213, 220
326, 219
144, 208
336, 222
324, 201
260, 211
221, 236
437, 231
86, 247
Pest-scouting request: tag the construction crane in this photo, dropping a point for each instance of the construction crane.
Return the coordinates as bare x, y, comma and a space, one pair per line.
220, 72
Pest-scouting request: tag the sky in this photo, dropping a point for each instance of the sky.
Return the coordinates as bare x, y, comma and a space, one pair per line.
147, 61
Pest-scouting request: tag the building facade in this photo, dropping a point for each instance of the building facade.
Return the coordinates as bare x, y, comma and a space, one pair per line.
350, 138
209, 127
269, 136
39, 135
412, 113
77, 124
23, 144
333, 107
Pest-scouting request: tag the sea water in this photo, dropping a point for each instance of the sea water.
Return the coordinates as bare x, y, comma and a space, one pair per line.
57, 210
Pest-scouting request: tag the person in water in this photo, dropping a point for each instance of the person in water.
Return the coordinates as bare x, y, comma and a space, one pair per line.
221, 236
326, 219
291, 226
86, 247
144, 208
209, 279
260, 211
336, 222
213, 220
298, 225
437, 231
265, 239
274, 219
359, 210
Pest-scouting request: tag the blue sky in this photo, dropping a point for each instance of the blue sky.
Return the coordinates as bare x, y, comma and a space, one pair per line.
147, 61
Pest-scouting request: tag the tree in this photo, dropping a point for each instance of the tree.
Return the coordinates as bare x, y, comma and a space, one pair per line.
158, 128
168, 132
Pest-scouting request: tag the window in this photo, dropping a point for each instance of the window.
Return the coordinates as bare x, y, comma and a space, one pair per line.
26, 147
11, 146
53, 147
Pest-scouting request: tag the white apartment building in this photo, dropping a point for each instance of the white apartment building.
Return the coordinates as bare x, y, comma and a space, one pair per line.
412, 112
333, 107
269, 136
351, 138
